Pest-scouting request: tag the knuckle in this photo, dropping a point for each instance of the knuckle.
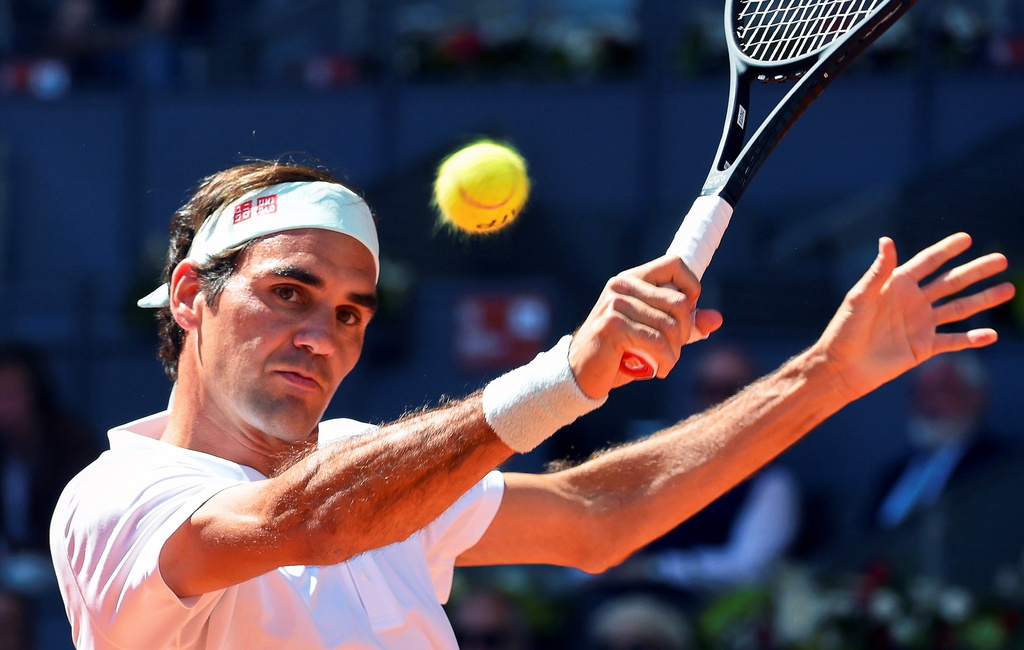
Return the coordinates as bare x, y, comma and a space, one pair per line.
680, 303
618, 303
619, 283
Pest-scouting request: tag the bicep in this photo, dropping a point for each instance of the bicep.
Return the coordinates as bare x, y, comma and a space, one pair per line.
541, 520
224, 542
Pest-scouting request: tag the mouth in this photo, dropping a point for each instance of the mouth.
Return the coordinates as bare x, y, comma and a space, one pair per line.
299, 379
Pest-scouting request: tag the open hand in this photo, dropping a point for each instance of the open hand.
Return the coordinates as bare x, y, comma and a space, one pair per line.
888, 322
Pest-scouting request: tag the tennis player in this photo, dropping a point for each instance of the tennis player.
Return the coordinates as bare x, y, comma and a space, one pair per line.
237, 519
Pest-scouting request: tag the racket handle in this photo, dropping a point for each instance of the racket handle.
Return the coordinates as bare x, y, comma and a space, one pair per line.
695, 243
701, 232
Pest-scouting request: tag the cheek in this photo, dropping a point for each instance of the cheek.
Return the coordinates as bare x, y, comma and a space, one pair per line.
351, 347
239, 340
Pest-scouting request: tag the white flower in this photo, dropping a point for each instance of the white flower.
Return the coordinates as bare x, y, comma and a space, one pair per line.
955, 604
885, 604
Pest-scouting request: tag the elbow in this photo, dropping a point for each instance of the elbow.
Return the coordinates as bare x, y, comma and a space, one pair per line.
602, 547
598, 563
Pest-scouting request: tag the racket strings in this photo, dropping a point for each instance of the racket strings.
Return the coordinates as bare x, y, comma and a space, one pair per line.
779, 30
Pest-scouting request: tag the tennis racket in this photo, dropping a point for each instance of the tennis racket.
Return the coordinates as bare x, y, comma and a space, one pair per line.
804, 42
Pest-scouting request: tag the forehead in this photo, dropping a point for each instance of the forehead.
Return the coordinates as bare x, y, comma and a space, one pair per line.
329, 253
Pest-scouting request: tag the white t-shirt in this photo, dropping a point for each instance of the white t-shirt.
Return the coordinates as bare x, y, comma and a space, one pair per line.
114, 517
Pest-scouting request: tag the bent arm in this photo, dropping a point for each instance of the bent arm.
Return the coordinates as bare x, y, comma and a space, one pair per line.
340, 500
379, 488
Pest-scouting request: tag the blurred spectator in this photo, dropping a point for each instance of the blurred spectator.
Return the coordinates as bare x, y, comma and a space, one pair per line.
638, 622
544, 40
943, 510
14, 633
125, 41
41, 448
486, 618
739, 538
946, 432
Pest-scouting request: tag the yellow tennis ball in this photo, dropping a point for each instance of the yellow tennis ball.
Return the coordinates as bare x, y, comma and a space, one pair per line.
481, 188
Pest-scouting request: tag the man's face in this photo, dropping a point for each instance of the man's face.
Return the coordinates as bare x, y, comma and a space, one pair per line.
287, 327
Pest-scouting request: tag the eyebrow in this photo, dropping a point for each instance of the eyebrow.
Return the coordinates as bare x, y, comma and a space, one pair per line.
305, 276
299, 274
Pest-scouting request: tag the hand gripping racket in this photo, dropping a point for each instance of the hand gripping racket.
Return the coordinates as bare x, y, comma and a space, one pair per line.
808, 42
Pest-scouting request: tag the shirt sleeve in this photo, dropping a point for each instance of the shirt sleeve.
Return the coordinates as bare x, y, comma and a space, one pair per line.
108, 532
458, 529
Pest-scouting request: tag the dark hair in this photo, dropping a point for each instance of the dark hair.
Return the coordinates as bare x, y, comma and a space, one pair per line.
214, 192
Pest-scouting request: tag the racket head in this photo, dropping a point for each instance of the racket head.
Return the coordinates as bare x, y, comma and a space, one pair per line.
806, 41
781, 38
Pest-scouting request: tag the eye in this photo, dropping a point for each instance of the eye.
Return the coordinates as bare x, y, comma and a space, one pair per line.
348, 316
287, 294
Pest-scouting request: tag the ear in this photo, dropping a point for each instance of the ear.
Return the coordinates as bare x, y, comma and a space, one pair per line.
186, 306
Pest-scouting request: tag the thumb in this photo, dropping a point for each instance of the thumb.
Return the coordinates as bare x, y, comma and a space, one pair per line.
871, 283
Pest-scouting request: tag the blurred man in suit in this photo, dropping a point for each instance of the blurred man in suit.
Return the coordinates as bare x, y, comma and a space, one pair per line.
939, 511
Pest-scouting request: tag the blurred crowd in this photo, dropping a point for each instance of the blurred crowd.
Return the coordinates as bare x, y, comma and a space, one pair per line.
937, 561
50, 46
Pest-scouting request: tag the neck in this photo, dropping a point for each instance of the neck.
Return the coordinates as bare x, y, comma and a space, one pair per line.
194, 423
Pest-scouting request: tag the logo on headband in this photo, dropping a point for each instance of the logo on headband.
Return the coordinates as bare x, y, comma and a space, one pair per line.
264, 205
242, 212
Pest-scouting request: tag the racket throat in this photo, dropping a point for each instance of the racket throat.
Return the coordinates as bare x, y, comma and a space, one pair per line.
734, 134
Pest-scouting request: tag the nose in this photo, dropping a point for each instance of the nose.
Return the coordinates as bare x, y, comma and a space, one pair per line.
317, 333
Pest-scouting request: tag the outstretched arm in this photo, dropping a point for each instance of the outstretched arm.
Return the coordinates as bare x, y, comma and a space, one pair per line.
886, 325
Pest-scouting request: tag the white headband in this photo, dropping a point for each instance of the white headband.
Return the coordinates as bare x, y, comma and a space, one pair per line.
288, 206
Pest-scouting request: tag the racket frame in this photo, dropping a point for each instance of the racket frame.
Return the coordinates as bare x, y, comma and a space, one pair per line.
737, 160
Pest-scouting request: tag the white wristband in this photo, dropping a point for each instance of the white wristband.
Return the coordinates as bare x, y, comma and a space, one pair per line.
530, 403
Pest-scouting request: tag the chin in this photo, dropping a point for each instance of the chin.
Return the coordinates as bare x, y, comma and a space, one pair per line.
291, 430
285, 417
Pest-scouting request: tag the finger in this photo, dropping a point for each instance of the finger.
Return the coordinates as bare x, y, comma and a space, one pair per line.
658, 308
961, 277
976, 338
932, 258
668, 271
654, 335
705, 323
967, 306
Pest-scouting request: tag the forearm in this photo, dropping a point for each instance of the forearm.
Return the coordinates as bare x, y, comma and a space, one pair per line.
374, 489
336, 502
381, 487
659, 482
